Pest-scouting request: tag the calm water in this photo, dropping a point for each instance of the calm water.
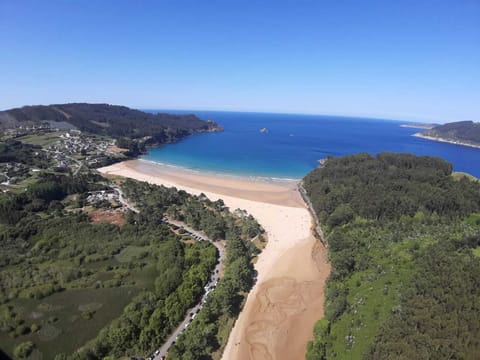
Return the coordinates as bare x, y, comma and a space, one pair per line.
295, 143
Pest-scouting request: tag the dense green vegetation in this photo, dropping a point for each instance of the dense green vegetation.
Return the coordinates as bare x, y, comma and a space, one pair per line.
118, 122
60, 275
209, 332
461, 131
70, 289
17, 159
15, 151
152, 315
401, 233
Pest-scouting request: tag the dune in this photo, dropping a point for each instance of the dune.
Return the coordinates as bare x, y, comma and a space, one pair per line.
278, 317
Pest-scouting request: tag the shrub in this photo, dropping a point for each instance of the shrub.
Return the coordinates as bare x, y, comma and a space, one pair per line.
23, 350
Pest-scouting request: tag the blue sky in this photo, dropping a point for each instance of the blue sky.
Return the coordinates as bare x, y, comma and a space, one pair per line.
411, 60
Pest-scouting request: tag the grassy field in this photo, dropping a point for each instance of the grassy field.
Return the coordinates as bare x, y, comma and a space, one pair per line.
69, 319
43, 139
131, 253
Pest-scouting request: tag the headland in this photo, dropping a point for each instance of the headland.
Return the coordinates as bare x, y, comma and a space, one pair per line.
448, 141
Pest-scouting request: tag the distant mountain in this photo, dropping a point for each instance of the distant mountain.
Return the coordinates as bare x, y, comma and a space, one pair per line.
461, 132
109, 120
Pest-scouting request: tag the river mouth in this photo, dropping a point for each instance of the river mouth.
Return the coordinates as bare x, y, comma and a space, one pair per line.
280, 312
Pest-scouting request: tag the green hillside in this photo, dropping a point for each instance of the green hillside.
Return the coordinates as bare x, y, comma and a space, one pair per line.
110, 120
402, 235
467, 132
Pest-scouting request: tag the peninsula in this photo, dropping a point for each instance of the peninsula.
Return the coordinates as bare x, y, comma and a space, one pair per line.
466, 133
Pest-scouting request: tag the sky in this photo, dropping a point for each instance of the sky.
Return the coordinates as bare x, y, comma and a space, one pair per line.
408, 59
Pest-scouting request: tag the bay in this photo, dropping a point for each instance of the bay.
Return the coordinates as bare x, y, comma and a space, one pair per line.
293, 144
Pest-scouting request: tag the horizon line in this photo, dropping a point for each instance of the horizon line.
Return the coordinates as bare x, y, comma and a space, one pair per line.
191, 109
342, 115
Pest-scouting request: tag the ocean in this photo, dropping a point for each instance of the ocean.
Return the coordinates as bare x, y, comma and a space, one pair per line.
292, 145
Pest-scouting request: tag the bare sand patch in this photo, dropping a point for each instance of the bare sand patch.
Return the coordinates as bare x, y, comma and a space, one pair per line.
280, 312
278, 319
114, 217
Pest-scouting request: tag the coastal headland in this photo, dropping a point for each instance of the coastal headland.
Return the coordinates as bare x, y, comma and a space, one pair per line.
449, 141
288, 296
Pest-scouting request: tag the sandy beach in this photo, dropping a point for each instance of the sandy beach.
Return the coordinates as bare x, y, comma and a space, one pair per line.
282, 308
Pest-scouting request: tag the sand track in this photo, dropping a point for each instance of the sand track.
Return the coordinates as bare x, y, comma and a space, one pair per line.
278, 319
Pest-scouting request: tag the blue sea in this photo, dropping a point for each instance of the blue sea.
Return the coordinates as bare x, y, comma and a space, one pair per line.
294, 144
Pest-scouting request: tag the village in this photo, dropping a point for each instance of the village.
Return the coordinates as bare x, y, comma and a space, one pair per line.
61, 150
74, 147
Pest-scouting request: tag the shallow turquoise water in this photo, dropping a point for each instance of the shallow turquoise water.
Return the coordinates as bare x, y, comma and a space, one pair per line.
294, 144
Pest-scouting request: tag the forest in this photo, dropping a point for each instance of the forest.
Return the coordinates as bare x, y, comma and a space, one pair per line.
73, 289
126, 125
404, 240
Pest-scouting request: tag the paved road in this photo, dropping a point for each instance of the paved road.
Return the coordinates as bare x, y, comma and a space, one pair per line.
191, 313
124, 201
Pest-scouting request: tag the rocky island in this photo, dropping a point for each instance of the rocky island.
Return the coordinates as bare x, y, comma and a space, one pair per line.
465, 133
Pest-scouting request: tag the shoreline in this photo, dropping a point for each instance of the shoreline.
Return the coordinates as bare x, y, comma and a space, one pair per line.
438, 139
287, 298
279, 192
417, 126
259, 178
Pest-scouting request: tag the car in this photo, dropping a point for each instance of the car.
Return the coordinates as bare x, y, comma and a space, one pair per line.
156, 352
